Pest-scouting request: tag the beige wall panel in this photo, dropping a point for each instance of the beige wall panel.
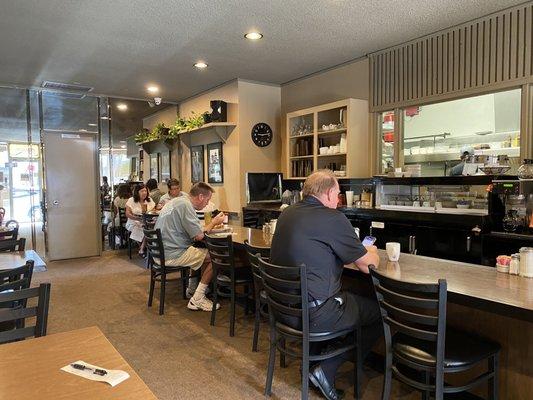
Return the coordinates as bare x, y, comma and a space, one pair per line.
167, 116
258, 103
227, 194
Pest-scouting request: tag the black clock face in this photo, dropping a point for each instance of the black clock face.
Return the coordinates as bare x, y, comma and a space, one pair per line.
262, 134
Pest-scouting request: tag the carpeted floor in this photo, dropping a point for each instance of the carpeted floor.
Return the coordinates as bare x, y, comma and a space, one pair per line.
179, 355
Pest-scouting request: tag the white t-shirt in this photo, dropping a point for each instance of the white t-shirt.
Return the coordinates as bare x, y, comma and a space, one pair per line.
136, 207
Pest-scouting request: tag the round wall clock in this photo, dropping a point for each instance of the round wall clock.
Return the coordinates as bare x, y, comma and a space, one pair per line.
262, 134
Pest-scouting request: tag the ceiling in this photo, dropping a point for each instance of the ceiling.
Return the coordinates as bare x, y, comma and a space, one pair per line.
120, 46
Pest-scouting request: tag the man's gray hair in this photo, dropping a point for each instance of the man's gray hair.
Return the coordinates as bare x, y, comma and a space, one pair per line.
319, 182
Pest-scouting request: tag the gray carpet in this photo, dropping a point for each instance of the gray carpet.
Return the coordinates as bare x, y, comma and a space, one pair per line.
179, 355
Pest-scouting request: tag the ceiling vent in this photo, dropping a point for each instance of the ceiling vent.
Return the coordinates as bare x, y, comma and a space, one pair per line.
68, 87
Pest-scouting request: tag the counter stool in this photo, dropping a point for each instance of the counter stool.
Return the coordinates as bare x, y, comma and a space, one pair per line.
423, 343
286, 287
159, 270
261, 306
226, 277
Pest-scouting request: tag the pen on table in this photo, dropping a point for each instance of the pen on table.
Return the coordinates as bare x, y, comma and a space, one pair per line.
96, 371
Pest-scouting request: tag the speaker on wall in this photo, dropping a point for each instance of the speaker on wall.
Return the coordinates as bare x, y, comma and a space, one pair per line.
219, 111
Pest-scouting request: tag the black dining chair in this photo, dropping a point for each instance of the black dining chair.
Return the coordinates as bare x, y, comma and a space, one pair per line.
226, 277
159, 270
423, 343
261, 306
40, 312
288, 306
8, 245
15, 279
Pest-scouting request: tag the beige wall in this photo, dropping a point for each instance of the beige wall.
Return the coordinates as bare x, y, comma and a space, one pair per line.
226, 195
167, 116
258, 103
347, 81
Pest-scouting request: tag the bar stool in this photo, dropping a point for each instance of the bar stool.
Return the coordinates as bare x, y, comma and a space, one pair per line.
261, 306
423, 343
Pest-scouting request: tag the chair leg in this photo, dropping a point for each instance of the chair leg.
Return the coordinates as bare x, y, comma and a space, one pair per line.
162, 293
257, 321
184, 278
358, 367
282, 361
387, 376
305, 369
152, 284
271, 362
232, 311
215, 297
427, 393
494, 362
129, 248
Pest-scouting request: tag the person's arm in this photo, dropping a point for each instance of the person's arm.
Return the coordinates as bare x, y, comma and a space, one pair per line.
370, 258
130, 214
214, 222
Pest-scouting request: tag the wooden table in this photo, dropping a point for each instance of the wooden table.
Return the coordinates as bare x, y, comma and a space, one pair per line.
256, 237
31, 369
15, 259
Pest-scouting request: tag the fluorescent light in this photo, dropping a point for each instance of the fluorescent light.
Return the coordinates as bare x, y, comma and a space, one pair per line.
200, 65
92, 124
153, 89
122, 107
253, 35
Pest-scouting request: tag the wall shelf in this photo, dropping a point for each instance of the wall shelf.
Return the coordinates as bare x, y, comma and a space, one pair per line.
222, 129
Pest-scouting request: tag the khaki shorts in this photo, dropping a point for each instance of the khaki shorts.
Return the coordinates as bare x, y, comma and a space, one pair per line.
193, 257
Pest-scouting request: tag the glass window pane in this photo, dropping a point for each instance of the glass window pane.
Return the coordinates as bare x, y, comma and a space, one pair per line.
61, 112
440, 136
386, 141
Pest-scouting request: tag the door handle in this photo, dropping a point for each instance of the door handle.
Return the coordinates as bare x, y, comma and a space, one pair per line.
468, 243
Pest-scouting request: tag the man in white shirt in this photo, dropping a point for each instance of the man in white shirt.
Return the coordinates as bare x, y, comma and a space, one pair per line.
173, 192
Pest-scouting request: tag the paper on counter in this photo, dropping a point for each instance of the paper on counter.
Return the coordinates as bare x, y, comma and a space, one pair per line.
113, 376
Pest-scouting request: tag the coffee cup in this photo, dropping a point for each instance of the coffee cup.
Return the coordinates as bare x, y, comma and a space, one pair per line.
393, 250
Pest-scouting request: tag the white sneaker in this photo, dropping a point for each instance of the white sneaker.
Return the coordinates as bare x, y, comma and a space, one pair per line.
203, 304
190, 292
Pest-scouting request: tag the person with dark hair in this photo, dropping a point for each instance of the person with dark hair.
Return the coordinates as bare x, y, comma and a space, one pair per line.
121, 198
105, 189
173, 192
180, 228
155, 193
136, 206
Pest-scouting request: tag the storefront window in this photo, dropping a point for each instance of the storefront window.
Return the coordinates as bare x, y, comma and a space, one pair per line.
437, 136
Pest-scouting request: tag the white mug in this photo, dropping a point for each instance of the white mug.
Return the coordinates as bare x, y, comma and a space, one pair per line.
349, 198
393, 250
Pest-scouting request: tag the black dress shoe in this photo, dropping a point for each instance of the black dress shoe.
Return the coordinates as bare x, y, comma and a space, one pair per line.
318, 378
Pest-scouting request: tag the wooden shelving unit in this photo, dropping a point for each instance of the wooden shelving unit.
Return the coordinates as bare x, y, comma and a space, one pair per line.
346, 121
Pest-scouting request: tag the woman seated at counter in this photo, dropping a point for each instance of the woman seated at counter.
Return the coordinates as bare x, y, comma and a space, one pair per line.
136, 206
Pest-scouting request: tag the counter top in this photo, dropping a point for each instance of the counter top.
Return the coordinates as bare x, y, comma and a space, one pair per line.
468, 284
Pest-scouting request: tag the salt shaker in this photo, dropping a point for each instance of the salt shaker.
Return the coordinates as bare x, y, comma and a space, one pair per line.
514, 266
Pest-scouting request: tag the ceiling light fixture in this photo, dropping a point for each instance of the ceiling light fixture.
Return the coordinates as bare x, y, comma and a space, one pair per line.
153, 89
200, 65
92, 124
122, 107
253, 35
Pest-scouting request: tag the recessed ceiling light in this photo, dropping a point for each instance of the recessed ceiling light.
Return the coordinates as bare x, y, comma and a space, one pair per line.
122, 107
200, 65
153, 89
253, 35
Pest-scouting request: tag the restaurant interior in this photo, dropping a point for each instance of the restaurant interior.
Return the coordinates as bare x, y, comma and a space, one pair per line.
177, 178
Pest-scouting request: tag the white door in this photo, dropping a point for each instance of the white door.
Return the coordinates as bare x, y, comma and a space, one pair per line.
73, 226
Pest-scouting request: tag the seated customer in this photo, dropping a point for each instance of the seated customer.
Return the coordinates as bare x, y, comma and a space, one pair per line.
123, 194
155, 193
180, 228
136, 206
314, 233
173, 192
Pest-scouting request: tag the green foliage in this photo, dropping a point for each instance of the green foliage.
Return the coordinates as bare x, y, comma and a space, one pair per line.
181, 125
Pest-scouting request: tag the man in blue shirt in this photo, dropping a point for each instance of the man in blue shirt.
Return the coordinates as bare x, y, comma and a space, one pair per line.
313, 232
180, 228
